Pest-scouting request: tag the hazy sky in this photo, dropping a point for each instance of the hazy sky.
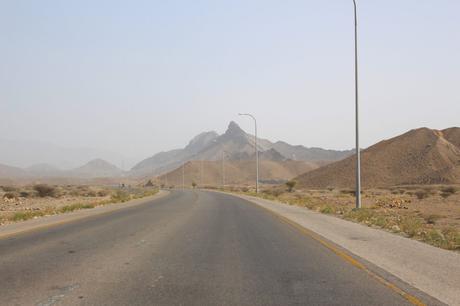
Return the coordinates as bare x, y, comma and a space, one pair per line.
137, 77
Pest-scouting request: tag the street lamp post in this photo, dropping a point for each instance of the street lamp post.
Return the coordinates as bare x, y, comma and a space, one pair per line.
201, 174
223, 169
256, 149
183, 176
358, 153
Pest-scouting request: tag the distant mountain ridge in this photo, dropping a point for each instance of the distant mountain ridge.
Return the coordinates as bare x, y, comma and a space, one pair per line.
420, 156
22, 153
235, 144
96, 168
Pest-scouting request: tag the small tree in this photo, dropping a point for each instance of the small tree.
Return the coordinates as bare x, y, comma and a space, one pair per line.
149, 184
193, 184
290, 185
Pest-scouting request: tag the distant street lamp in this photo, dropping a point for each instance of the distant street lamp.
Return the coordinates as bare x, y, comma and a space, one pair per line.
223, 169
183, 175
257, 151
201, 174
358, 153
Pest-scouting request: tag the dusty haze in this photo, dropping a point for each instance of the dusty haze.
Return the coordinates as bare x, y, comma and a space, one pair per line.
126, 80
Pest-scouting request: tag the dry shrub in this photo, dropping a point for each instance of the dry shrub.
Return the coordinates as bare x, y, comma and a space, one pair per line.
44, 190
448, 191
422, 194
10, 195
411, 226
102, 193
348, 191
9, 188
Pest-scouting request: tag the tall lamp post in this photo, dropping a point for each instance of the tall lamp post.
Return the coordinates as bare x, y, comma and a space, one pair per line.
358, 153
201, 174
256, 149
223, 169
183, 175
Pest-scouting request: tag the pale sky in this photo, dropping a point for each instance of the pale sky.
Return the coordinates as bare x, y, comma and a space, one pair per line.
138, 77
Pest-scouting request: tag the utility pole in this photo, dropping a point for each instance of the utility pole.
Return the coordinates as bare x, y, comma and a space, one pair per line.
358, 153
256, 149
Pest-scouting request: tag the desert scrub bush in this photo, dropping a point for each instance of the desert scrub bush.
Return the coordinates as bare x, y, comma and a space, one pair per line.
121, 196
26, 215
347, 191
273, 192
72, 207
411, 226
422, 194
91, 193
9, 188
25, 194
148, 192
290, 185
431, 219
103, 193
398, 191
448, 191
44, 190
10, 195
447, 238
382, 221
327, 210
360, 215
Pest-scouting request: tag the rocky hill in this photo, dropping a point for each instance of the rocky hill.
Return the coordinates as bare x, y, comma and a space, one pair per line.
421, 156
234, 172
96, 168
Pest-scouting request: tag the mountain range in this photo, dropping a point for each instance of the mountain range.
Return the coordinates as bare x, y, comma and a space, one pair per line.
96, 168
237, 145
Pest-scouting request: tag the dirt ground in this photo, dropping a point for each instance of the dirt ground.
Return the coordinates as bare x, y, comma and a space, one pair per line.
18, 203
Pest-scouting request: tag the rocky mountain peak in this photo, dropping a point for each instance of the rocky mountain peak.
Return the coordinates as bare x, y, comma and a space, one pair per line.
234, 129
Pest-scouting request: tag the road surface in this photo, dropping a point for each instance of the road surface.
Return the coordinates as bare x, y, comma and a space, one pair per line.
187, 248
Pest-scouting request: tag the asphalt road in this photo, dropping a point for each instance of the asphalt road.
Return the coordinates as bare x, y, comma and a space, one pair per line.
188, 248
